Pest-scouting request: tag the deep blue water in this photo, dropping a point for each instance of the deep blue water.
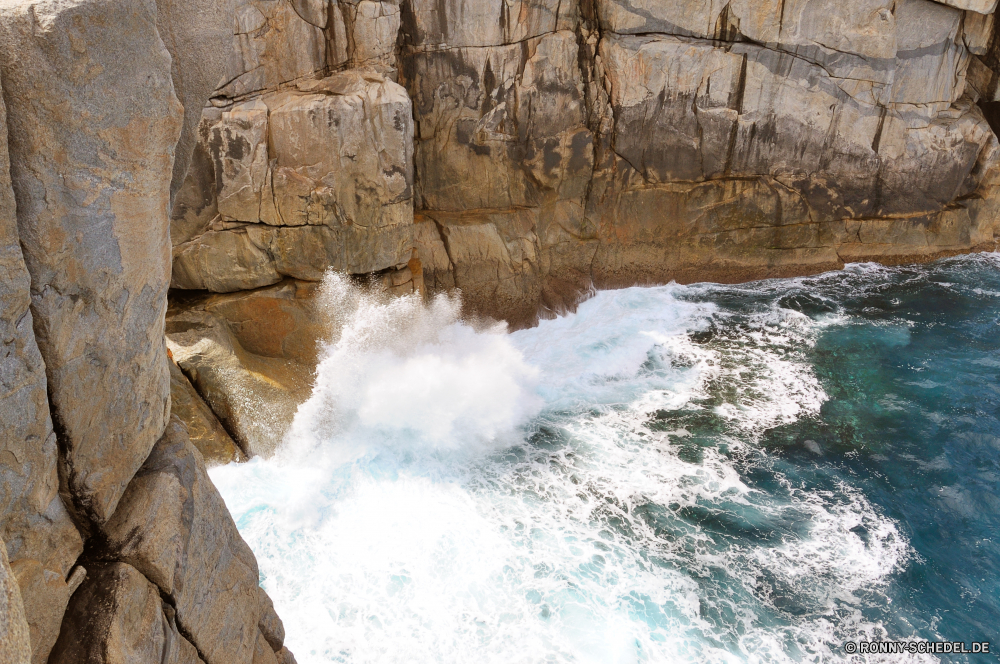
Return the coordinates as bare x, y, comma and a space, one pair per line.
912, 372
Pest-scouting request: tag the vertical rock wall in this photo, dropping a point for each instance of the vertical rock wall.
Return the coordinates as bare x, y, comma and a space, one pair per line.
91, 144
116, 545
781, 138
41, 540
559, 145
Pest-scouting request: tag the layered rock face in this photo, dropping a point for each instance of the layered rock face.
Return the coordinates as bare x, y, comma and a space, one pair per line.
563, 145
824, 132
526, 152
298, 182
116, 546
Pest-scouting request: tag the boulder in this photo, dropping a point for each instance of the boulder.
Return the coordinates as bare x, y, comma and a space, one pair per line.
262, 653
93, 122
204, 429
284, 656
271, 628
46, 593
41, 540
173, 527
255, 389
304, 181
118, 617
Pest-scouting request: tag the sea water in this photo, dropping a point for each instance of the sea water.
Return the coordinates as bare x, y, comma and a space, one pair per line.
706, 473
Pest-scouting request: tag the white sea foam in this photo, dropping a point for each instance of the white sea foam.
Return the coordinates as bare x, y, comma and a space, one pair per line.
453, 493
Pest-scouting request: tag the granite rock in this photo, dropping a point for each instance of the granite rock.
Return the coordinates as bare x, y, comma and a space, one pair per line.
15, 642
254, 396
118, 617
41, 540
93, 122
306, 180
204, 429
174, 528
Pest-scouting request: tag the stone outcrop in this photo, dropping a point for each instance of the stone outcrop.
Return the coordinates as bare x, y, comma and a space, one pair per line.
204, 429
795, 148
41, 541
559, 146
731, 140
174, 529
250, 356
169, 577
297, 182
91, 144
119, 616
90, 125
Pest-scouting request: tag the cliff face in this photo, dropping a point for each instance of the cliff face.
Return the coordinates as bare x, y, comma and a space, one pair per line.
523, 151
117, 546
559, 145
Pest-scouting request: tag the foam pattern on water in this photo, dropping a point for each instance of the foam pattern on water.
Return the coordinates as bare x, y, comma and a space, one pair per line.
454, 493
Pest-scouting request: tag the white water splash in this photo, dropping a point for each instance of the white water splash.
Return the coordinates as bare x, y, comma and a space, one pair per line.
452, 493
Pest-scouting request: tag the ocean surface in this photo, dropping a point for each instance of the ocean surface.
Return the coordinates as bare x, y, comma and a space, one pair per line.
705, 473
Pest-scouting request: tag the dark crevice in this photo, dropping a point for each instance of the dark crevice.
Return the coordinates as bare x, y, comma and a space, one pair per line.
878, 132
738, 107
991, 111
183, 631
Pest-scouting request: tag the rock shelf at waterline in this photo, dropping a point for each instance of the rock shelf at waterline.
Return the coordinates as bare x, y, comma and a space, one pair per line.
684, 473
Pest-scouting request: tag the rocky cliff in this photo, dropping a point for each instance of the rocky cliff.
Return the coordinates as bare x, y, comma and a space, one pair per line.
562, 145
117, 546
523, 151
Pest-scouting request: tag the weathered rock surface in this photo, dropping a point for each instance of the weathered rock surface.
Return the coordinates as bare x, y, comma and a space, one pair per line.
84, 381
250, 356
15, 644
118, 617
275, 41
297, 182
204, 429
561, 145
91, 145
41, 540
198, 37
638, 142
173, 527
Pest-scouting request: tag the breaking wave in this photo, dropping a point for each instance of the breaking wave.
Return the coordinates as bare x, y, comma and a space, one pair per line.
597, 489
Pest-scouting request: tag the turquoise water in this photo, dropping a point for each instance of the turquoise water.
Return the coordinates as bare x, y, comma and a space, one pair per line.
685, 473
